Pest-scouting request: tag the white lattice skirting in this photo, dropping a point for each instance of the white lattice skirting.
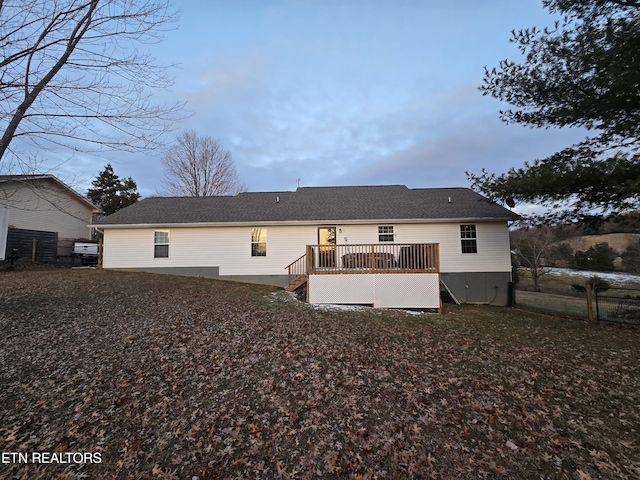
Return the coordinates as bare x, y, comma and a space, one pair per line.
391, 290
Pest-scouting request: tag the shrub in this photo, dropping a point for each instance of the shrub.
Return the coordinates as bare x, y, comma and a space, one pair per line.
598, 257
561, 254
631, 258
596, 283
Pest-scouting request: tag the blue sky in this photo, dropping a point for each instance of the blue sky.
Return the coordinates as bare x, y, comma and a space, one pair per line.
345, 92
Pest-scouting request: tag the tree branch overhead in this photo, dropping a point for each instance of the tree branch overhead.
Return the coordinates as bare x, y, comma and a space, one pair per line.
70, 70
581, 73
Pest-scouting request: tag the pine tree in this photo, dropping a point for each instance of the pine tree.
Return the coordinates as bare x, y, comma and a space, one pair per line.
583, 72
110, 193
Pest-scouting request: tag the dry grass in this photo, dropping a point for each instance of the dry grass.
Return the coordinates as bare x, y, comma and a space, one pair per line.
557, 297
560, 283
170, 377
570, 306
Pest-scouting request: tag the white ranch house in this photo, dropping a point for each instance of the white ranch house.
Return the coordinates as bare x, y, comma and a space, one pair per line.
387, 246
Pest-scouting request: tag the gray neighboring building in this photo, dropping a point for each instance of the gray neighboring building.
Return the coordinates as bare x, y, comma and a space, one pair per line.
44, 203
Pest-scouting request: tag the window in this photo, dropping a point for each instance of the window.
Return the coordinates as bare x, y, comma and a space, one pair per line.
258, 242
469, 239
161, 245
385, 233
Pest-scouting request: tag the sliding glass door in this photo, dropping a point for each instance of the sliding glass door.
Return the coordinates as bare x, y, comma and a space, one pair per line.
327, 247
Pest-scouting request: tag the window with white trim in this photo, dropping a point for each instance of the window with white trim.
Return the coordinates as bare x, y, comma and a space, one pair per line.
258, 242
161, 244
385, 233
469, 238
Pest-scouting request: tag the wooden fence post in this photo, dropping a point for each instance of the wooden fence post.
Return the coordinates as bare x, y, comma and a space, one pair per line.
100, 253
34, 250
589, 302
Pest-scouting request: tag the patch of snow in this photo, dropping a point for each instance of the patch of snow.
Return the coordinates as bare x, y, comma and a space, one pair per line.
619, 278
346, 308
292, 297
364, 308
283, 295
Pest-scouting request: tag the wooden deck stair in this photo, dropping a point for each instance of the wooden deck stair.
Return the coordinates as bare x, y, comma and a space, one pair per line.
298, 275
297, 283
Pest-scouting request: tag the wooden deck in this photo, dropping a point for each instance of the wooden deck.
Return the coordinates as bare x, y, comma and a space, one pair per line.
363, 258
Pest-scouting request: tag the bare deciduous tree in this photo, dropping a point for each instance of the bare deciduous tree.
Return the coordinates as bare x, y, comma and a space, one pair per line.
532, 245
200, 167
72, 74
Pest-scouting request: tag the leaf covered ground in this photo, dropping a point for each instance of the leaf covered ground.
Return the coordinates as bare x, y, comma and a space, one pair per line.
173, 377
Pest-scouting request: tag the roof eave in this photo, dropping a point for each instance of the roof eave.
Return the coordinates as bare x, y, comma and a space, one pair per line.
305, 222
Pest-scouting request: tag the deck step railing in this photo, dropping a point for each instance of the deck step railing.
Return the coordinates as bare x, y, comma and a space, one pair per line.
297, 270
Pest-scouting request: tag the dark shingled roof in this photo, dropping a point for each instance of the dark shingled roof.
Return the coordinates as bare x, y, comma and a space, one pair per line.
315, 204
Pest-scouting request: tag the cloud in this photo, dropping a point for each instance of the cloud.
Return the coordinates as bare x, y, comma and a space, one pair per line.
224, 83
481, 142
350, 92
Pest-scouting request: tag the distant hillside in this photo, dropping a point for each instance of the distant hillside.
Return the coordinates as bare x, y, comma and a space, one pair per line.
617, 241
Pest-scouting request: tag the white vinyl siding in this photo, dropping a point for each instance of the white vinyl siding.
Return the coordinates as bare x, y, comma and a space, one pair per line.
494, 254
228, 247
225, 247
492, 239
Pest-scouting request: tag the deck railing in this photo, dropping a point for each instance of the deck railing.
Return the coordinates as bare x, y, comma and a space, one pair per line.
367, 258
364, 258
